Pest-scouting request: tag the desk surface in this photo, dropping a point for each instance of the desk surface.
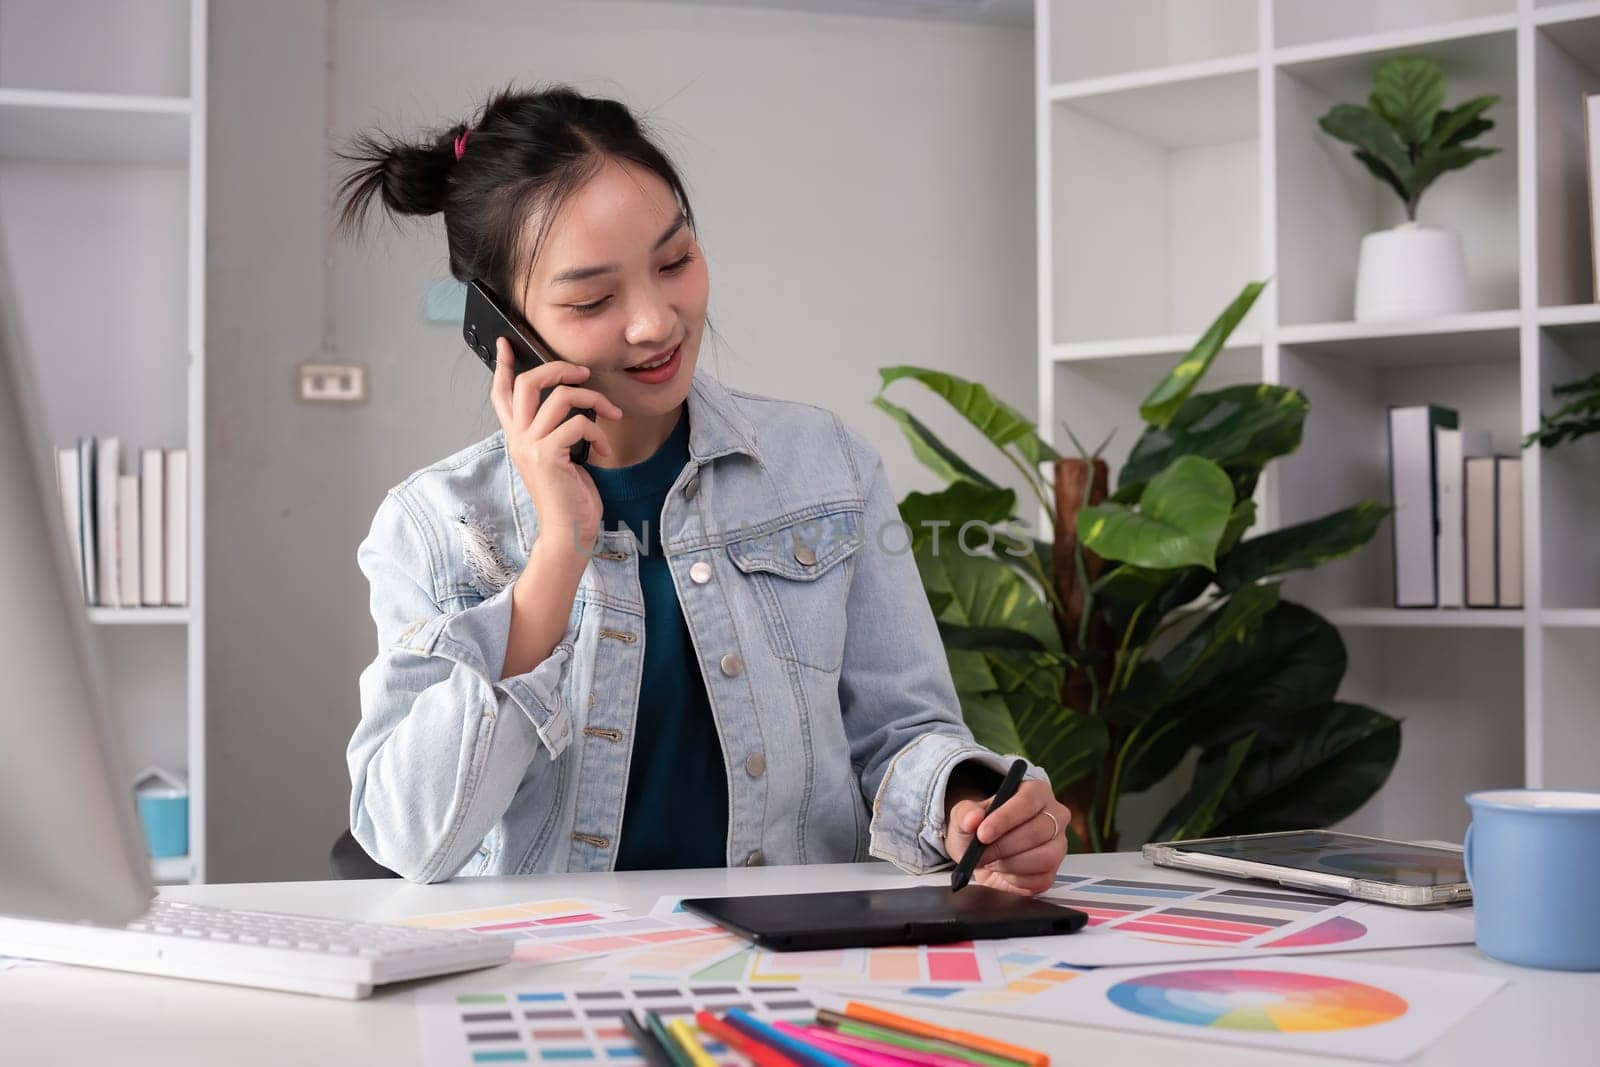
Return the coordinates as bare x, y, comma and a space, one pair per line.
62, 1015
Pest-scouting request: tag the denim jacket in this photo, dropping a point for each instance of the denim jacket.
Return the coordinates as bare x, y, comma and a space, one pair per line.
823, 666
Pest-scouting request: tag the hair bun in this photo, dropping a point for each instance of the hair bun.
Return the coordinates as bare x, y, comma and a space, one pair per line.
412, 179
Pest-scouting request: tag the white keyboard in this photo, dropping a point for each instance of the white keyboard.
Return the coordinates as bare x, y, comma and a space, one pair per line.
298, 953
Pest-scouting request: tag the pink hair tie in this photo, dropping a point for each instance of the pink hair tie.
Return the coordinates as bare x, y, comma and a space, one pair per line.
461, 142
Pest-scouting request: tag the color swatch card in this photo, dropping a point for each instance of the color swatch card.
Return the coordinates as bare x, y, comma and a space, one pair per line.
556, 931
1313, 1006
1168, 920
527, 915
959, 965
581, 1024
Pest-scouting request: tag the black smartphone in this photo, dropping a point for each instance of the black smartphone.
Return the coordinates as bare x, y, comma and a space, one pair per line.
484, 319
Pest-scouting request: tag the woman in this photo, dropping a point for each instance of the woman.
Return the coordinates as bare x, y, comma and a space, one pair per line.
708, 645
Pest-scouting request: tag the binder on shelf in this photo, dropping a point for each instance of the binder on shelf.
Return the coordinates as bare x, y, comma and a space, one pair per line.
108, 463
71, 509
1508, 531
86, 503
177, 527
128, 540
1482, 511
152, 513
1413, 479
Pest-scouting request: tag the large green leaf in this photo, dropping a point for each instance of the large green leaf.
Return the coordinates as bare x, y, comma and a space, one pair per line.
1242, 426
1181, 517
998, 421
983, 638
1407, 92
1164, 401
1339, 756
1433, 164
1310, 544
1380, 170
1461, 123
933, 452
989, 719
1371, 135
1193, 815
957, 503
969, 670
983, 592
1162, 682
1257, 685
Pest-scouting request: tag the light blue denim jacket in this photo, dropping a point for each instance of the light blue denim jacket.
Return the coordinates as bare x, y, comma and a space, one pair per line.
825, 673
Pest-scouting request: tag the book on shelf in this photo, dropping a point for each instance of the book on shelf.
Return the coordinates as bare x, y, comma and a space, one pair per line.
1452, 446
1413, 481
128, 532
1508, 531
1494, 531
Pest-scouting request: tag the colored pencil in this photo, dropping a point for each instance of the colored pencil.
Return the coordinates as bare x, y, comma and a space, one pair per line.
680, 1032
675, 1053
830, 1041
759, 1054
646, 1042
799, 1051
883, 1048
933, 1046
890, 1021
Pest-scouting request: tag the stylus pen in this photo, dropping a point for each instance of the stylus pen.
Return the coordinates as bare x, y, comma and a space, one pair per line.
799, 1051
645, 1042
969, 862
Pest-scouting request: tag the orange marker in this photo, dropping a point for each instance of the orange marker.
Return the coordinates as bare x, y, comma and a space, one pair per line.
917, 1028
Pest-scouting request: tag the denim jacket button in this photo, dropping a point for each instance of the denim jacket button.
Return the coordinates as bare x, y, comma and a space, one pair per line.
700, 573
755, 859
805, 556
732, 665
691, 488
755, 765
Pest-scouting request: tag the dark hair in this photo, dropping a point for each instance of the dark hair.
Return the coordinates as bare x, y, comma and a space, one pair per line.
525, 150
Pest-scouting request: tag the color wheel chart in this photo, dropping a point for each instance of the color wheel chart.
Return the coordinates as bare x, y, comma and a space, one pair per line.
1235, 999
581, 1024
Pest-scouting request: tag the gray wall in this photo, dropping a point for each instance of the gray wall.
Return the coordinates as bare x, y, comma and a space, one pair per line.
865, 193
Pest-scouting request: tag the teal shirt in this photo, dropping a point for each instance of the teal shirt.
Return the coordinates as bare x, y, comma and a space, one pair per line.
676, 812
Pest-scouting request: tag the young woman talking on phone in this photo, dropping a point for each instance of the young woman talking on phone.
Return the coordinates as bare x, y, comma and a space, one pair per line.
708, 646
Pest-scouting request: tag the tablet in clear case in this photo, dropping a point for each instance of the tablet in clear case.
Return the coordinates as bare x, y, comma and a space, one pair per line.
1349, 865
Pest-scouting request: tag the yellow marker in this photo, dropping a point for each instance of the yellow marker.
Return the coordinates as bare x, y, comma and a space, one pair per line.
684, 1035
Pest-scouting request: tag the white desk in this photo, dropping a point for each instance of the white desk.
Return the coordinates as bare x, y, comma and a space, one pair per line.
62, 1015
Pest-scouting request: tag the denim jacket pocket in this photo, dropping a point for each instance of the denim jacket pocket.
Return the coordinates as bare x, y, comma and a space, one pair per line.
800, 573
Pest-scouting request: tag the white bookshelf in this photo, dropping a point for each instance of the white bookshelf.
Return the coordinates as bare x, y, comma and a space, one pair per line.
102, 226
1179, 157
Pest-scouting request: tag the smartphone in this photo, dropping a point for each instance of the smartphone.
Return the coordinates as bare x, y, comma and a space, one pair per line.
484, 319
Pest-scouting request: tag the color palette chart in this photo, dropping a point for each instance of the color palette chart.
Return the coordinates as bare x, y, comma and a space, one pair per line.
1026, 975
1156, 919
959, 965
581, 1024
556, 931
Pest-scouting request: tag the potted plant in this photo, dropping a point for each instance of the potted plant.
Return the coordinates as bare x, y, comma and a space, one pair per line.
1408, 139
1152, 626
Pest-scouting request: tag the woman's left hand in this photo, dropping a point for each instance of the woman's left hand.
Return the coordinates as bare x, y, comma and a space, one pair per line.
1024, 840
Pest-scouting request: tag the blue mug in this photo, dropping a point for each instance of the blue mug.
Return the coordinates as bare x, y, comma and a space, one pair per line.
1533, 859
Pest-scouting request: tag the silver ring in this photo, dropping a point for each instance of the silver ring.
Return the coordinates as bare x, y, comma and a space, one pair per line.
1053, 822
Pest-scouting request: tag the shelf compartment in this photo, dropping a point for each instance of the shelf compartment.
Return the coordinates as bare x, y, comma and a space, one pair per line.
1459, 694
1344, 455
1569, 477
58, 127
1157, 223
1570, 723
1566, 66
1328, 202
1140, 35
90, 46
1174, 347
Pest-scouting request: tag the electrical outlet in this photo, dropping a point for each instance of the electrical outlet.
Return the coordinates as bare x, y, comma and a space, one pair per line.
332, 383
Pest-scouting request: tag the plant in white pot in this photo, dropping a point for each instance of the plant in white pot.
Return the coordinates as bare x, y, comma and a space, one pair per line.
1407, 138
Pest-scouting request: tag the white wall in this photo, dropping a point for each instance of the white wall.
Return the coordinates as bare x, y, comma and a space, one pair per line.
865, 194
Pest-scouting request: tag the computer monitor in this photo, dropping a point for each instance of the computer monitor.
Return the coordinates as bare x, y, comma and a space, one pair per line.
70, 849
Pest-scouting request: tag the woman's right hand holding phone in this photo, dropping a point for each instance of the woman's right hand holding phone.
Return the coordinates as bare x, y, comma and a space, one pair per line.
539, 438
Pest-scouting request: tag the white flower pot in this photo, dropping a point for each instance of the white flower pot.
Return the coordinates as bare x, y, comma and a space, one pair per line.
1410, 272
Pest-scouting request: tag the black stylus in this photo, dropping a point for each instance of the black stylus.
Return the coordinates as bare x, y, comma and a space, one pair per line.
969, 862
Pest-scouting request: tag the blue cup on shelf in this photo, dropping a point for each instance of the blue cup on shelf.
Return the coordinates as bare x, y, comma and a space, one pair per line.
163, 799
1533, 859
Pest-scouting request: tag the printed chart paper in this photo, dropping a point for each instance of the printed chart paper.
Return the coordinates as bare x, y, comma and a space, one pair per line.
1305, 1005
581, 1024
557, 931
1161, 919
